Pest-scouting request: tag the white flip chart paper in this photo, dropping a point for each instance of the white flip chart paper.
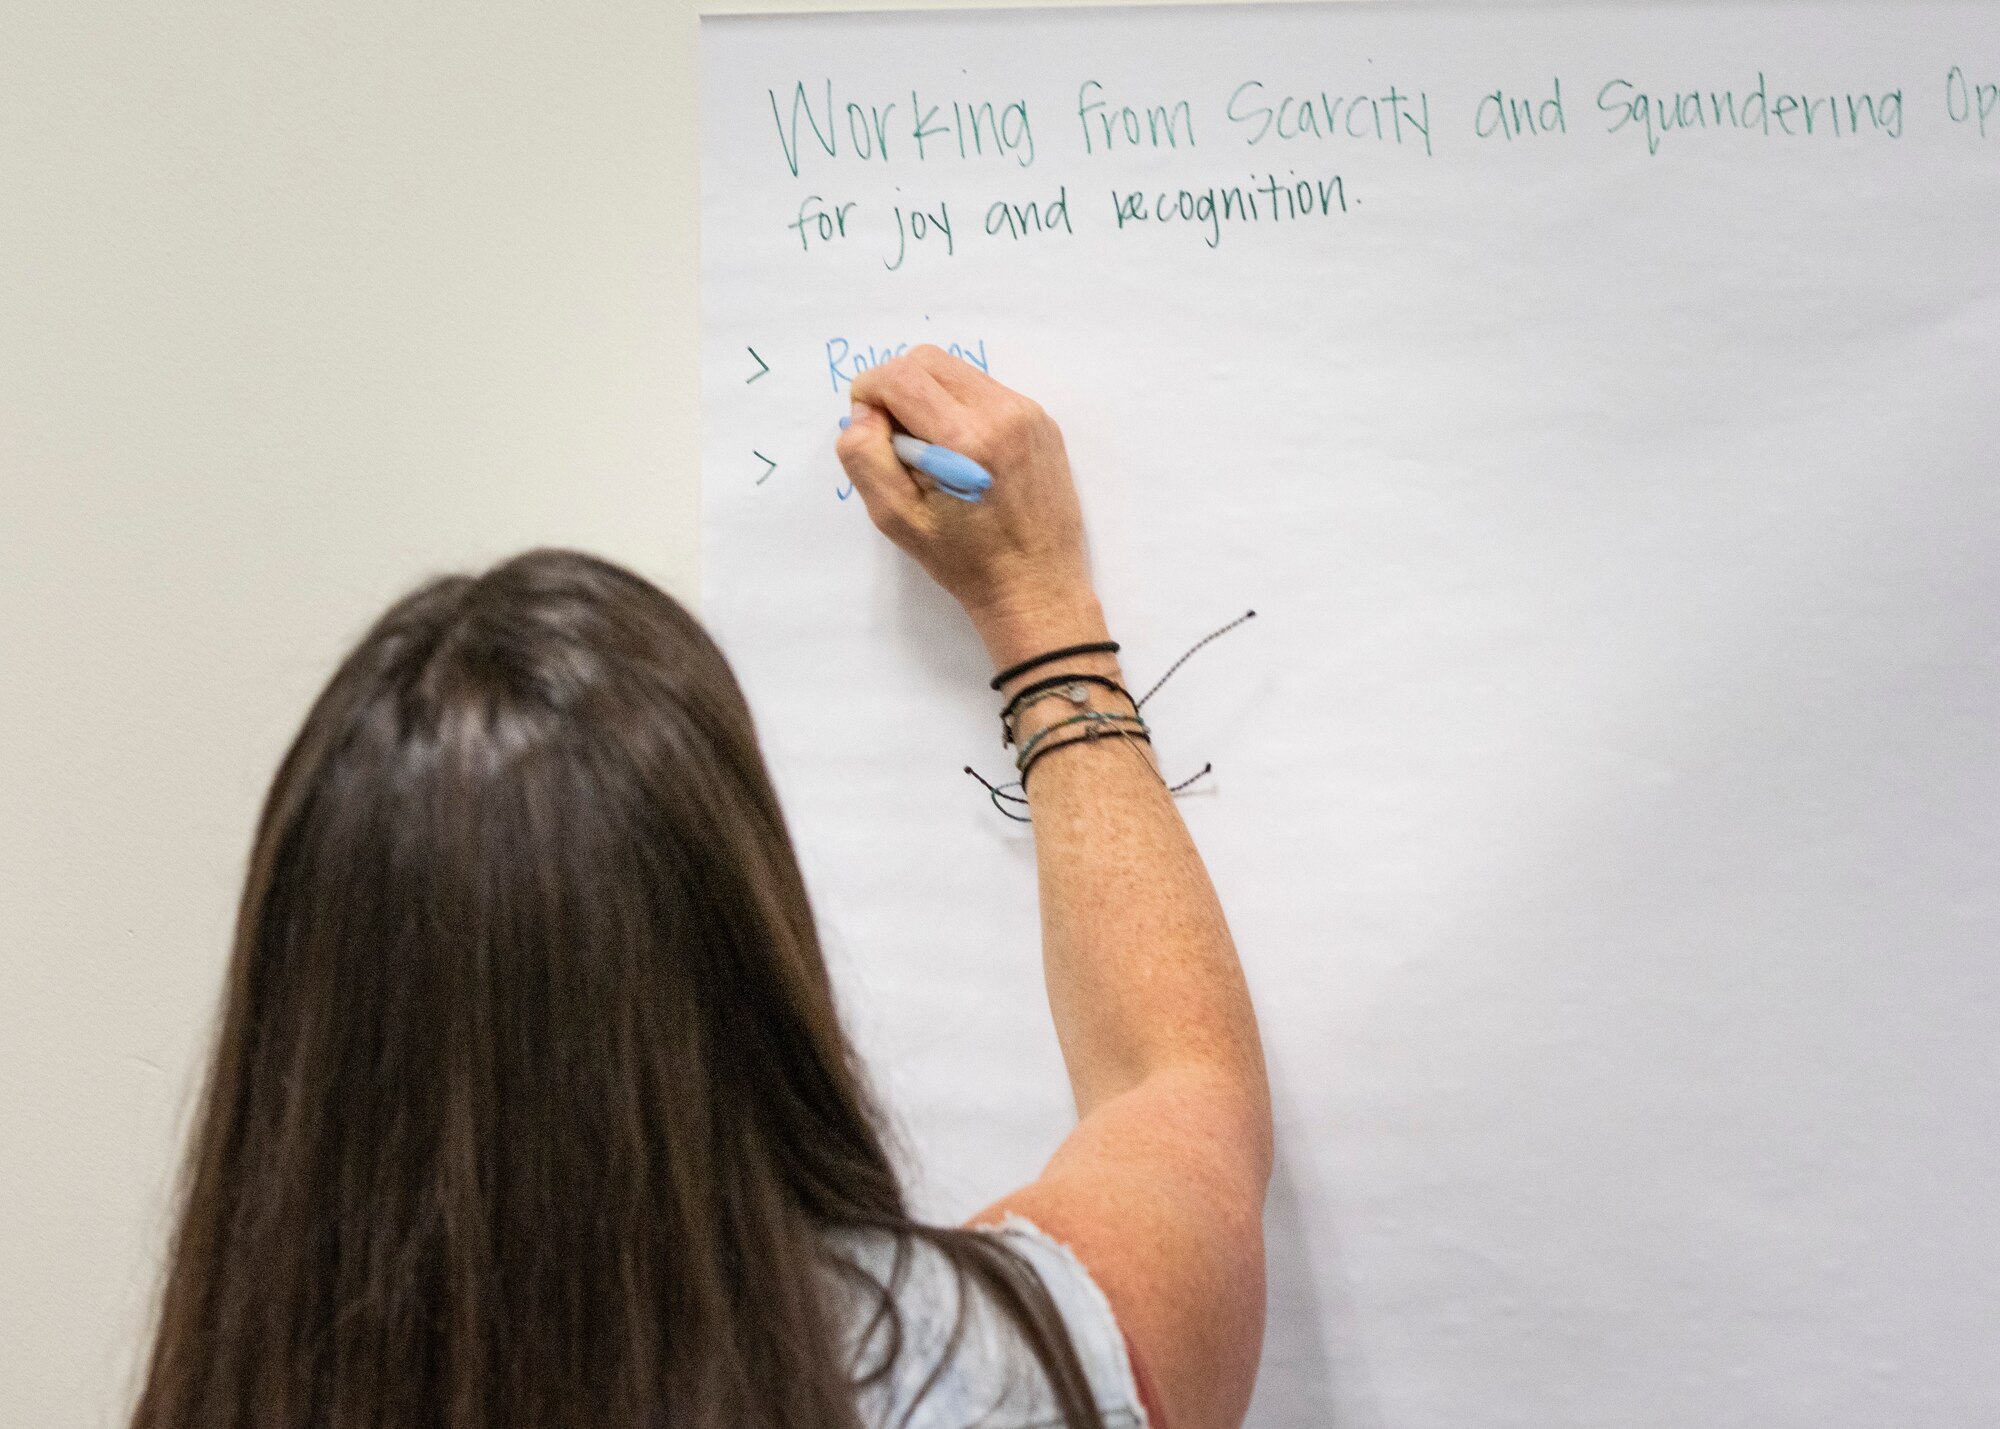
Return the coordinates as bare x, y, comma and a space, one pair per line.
1597, 405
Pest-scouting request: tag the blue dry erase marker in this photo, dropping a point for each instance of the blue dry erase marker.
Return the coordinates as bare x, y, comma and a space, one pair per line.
955, 473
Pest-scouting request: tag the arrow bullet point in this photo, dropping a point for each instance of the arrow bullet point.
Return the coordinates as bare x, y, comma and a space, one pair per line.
762, 366
769, 466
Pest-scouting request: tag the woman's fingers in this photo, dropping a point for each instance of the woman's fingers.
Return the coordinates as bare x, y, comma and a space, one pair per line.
957, 376
888, 488
914, 397
966, 381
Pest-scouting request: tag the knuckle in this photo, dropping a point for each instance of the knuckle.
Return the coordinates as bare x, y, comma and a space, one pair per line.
901, 379
884, 376
982, 442
1010, 432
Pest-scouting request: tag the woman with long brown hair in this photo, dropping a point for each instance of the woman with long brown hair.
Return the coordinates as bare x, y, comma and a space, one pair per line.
530, 1107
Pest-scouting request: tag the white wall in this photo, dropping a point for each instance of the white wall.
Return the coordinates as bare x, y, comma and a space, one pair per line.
298, 304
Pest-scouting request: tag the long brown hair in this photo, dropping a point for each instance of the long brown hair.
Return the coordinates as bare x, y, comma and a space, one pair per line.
530, 1106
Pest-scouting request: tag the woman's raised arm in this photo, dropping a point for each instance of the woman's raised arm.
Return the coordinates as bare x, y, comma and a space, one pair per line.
1160, 1187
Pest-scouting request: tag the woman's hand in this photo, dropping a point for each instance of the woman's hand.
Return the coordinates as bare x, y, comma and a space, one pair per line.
1014, 560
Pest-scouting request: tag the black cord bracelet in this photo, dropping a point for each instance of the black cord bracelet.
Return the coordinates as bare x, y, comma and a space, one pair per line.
1096, 733
1102, 723
1095, 647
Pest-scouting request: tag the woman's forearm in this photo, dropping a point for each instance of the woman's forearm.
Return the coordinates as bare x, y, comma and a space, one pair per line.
1142, 974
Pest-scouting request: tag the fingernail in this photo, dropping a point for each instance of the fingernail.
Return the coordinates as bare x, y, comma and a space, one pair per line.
846, 422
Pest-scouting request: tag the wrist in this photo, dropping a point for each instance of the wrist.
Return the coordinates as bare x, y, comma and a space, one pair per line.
1022, 629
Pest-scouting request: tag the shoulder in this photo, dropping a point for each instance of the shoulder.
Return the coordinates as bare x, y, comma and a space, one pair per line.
1094, 1329
930, 1344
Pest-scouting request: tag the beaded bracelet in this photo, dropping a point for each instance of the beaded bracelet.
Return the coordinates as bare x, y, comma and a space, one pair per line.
1097, 717
1089, 736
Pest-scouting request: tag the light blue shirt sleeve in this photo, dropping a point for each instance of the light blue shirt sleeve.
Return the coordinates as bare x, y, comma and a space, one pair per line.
991, 1380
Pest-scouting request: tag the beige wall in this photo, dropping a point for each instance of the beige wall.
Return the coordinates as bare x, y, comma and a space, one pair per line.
295, 309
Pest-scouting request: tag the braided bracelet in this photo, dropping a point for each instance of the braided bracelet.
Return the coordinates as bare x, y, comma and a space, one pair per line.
1097, 717
1089, 736
1069, 687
